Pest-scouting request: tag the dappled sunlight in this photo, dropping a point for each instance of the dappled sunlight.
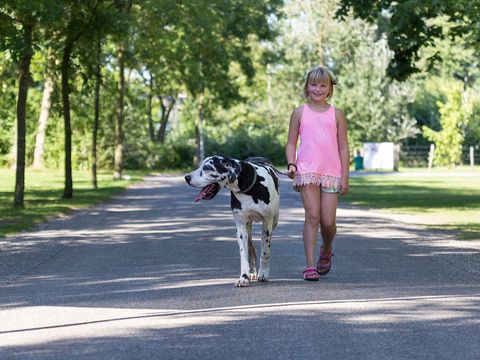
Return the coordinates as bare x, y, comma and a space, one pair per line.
34, 325
156, 269
22, 327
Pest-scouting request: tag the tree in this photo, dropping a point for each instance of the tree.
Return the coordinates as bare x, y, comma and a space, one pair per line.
158, 53
455, 115
124, 7
374, 104
96, 120
79, 19
411, 25
217, 39
19, 21
44, 112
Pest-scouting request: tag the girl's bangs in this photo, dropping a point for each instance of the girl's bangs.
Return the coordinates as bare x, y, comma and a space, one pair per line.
319, 76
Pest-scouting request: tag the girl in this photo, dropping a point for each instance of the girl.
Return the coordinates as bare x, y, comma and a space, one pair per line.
320, 169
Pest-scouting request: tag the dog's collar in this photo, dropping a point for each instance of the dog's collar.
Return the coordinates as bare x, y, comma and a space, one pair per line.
251, 185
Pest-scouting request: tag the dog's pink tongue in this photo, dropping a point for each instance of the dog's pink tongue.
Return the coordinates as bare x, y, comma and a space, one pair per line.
200, 195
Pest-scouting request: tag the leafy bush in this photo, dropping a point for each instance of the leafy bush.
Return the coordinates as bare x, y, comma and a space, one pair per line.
245, 142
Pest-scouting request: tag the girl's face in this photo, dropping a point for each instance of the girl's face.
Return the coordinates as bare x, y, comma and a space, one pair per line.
318, 91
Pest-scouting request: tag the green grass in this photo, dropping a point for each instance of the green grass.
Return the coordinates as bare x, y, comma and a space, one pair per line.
43, 195
439, 199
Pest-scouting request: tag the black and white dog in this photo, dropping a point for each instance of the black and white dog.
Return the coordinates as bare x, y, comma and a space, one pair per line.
254, 197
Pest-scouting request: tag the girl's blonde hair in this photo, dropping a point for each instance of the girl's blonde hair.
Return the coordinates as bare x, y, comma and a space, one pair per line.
320, 75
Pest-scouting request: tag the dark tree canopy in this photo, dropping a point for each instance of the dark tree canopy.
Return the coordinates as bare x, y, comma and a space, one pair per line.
409, 26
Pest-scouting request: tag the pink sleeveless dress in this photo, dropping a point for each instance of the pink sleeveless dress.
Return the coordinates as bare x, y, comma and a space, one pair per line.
318, 157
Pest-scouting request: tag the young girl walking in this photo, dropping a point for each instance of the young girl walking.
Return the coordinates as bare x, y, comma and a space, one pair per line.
320, 168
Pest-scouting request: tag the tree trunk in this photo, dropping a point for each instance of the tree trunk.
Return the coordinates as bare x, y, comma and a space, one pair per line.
96, 119
200, 153
23, 85
68, 190
151, 130
166, 110
117, 174
42, 122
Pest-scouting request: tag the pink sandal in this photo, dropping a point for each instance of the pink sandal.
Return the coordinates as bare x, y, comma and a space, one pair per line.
310, 274
324, 263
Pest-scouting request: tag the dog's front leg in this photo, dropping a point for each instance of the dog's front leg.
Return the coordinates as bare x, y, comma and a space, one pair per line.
264, 269
242, 239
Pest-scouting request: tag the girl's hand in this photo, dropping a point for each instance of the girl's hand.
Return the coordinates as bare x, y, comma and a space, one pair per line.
292, 170
344, 188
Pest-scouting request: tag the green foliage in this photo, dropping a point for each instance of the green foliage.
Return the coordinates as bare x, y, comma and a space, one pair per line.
249, 80
171, 155
455, 114
412, 25
245, 142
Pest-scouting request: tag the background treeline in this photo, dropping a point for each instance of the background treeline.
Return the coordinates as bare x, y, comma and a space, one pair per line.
160, 84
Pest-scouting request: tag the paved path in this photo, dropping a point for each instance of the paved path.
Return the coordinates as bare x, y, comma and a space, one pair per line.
149, 275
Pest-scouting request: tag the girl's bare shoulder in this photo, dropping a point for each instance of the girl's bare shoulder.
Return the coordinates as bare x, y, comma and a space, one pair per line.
297, 112
339, 112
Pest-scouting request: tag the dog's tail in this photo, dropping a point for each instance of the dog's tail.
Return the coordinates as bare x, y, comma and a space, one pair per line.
279, 172
265, 161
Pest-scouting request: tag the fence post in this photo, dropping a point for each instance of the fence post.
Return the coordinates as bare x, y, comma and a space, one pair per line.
431, 155
472, 159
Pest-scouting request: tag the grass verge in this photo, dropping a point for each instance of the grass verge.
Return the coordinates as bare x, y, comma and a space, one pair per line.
43, 195
438, 199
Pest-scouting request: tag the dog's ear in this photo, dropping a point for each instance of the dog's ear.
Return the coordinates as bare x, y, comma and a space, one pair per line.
234, 169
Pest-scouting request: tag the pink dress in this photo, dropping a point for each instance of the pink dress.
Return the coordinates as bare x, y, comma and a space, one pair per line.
318, 157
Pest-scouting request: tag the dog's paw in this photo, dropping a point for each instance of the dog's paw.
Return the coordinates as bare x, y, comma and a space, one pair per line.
244, 281
253, 276
262, 277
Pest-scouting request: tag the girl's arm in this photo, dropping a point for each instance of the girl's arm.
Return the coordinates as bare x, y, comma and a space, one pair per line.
291, 147
343, 149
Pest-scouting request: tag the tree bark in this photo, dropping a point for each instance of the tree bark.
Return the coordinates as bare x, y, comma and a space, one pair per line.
42, 122
151, 130
68, 189
117, 174
200, 152
166, 110
23, 85
96, 119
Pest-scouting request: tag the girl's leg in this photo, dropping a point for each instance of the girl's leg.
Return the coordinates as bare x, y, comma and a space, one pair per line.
311, 203
328, 226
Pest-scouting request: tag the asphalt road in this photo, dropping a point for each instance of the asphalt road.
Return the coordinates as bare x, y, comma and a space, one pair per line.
149, 275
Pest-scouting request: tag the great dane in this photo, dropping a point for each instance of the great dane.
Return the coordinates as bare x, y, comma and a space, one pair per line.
254, 197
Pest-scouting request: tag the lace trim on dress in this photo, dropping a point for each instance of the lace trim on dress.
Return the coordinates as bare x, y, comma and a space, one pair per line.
324, 181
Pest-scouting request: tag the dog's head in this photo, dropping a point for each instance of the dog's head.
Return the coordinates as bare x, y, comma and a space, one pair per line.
213, 173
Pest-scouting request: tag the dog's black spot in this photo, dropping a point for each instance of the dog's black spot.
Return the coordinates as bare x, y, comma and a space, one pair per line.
219, 164
234, 202
267, 233
258, 191
268, 166
247, 175
245, 276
